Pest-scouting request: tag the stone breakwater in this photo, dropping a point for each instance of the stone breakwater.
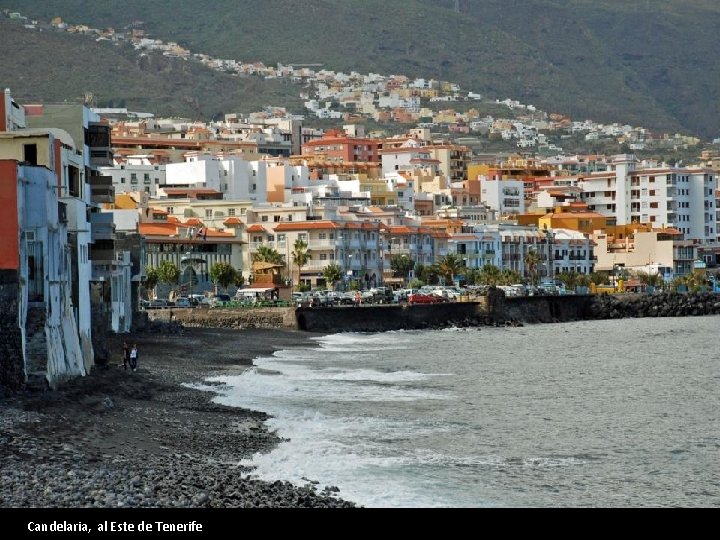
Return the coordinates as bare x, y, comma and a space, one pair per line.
656, 305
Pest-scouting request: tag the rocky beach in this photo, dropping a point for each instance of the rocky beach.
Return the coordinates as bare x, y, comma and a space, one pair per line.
118, 438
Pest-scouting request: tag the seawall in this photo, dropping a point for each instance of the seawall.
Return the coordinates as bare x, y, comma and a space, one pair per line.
492, 310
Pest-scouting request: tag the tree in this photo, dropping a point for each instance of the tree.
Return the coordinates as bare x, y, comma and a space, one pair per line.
300, 255
449, 266
333, 274
490, 275
221, 273
570, 279
239, 279
695, 280
532, 259
150, 281
168, 273
268, 255
509, 277
401, 265
599, 278
650, 280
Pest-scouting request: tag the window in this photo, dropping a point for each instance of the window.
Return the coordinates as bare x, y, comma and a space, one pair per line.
303, 237
322, 236
231, 212
276, 219
208, 213
243, 211
30, 153
323, 256
254, 187
170, 209
264, 218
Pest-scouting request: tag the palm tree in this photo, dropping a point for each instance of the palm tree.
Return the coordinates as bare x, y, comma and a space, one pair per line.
650, 280
570, 279
449, 266
300, 255
510, 277
532, 259
598, 278
490, 274
268, 255
695, 280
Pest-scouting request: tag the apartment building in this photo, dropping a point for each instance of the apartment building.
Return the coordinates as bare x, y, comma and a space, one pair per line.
663, 197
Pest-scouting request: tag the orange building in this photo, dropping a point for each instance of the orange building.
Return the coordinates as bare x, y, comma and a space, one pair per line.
336, 146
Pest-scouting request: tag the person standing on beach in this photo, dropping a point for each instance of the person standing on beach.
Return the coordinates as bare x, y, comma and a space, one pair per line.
126, 355
134, 357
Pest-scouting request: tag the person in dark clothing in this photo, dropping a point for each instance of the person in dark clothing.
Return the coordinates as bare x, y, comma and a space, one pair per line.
134, 357
126, 355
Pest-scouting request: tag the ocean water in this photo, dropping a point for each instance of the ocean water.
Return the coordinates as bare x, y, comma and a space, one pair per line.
602, 413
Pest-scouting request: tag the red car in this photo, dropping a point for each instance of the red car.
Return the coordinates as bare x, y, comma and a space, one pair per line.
418, 298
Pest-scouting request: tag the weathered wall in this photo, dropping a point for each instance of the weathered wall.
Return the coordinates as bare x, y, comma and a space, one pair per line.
11, 348
390, 317
544, 309
227, 318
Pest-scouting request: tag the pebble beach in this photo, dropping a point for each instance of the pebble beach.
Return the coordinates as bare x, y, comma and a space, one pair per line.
118, 438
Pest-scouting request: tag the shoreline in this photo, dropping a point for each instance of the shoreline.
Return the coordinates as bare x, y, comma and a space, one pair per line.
121, 439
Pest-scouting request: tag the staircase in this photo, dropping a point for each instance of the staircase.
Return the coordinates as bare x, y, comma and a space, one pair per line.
36, 349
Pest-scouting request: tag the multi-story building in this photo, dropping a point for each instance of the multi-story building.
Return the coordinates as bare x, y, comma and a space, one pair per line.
663, 197
505, 196
237, 179
336, 146
136, 173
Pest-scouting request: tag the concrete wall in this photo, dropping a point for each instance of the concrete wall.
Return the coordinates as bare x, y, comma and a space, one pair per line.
227, 318
393, 317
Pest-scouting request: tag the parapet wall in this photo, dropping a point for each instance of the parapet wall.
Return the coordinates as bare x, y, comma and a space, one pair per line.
227, 318
390, 317
494, 309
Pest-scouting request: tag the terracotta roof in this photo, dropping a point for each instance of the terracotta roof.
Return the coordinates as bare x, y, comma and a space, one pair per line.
305, 225
194, 222
232, 221
254, 228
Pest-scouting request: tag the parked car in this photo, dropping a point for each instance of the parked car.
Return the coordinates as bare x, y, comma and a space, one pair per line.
220, 300
419, 298
183, 302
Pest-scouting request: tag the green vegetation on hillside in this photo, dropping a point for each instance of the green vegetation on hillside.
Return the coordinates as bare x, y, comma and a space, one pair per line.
118, 77
653, 63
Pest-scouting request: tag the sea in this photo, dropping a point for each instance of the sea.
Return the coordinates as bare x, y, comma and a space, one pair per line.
616, 413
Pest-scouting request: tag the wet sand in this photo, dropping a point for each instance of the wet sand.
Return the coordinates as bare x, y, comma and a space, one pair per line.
119, 438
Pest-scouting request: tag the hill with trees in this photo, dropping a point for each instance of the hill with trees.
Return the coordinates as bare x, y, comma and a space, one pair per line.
650, 62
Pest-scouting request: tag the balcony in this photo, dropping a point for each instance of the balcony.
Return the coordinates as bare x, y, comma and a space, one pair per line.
101, 189
102, 226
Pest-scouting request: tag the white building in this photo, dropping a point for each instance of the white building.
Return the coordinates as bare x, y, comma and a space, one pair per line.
505, 196
136, 173
664, 197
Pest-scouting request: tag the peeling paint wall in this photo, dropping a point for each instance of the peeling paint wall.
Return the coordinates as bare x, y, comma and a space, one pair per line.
64, 353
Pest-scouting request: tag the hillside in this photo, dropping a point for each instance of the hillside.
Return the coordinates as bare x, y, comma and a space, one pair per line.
653, 62
118, 77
